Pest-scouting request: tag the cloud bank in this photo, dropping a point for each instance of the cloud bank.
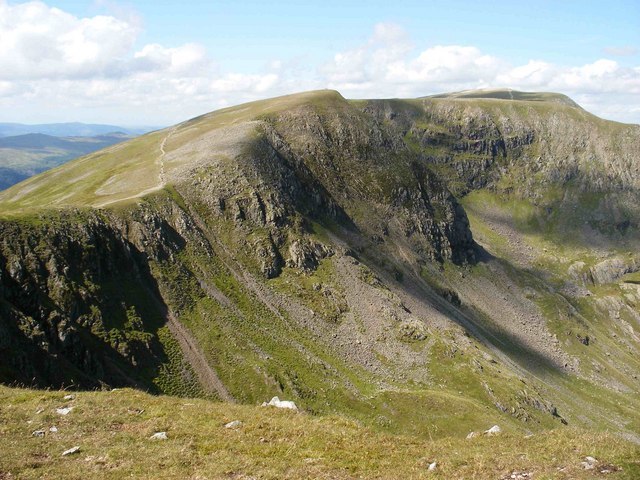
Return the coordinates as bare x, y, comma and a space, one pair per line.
89, 69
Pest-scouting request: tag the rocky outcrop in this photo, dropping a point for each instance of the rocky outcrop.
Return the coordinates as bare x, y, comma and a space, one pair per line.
606, 271
542, 146
79, 303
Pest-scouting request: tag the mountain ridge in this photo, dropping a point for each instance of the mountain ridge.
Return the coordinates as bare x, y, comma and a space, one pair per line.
509, 94
68, 129
366, 257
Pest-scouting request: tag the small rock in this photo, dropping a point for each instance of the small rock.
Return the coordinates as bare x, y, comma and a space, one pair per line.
64, 410
519, 476
38, 433
432, 466
39, 411
53, 429
472, 435
493, 430
234, 424
589, 463
71, 451
69, 397
158, 436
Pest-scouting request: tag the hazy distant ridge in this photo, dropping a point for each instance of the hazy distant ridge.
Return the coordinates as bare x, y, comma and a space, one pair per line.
73, 129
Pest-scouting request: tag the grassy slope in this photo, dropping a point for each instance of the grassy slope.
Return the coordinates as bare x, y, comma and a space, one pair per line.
128, 170
22, 160
501, 94
112, 430
553, 250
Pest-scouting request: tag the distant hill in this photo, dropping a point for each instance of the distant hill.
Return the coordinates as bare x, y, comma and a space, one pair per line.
23, 156
74, 129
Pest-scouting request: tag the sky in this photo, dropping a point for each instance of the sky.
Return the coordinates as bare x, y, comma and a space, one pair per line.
161, 62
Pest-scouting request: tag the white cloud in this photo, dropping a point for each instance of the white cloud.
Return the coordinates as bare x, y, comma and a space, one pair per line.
43, 42
189, 60
56, 66
604, 87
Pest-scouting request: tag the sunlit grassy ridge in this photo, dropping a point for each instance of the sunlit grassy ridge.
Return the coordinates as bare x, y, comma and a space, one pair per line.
128, 171
113, 431
508, 94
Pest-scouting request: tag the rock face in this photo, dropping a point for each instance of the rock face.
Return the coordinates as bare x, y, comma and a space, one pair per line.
72, 294
312, 247
606, 271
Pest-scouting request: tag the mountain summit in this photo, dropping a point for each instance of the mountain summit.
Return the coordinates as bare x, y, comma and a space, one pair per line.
425, 266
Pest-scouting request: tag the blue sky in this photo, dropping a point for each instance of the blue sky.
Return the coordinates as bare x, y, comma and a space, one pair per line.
242, 33
162, 62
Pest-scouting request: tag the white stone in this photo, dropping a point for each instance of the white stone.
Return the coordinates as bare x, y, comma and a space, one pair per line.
53, 429
432, 466
69, 397
71, 451
64, 410
159, 436
471, 435
234, 424
276, 402
493, 430
38, 433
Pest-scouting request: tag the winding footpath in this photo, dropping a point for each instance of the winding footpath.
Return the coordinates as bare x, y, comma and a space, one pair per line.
162, 176
162, 179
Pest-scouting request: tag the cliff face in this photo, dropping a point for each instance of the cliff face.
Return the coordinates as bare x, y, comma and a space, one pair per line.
79, 303
549, 144
318, 248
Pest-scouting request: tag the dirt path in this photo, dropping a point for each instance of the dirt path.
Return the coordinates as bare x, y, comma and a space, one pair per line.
209, 379
162, 178
161, 175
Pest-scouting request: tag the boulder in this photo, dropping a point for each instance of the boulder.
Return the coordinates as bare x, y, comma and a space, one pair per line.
493, 430
276, 402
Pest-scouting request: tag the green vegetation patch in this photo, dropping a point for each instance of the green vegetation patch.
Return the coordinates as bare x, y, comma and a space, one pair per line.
113, 430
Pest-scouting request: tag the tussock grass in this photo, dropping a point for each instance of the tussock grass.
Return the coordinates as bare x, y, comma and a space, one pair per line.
113, 428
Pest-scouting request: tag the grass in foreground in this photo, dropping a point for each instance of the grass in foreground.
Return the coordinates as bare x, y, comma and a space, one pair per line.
113, 428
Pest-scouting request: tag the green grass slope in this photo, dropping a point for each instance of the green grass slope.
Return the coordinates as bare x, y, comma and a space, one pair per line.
113, 428
508, 94
26, 155
133, 169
